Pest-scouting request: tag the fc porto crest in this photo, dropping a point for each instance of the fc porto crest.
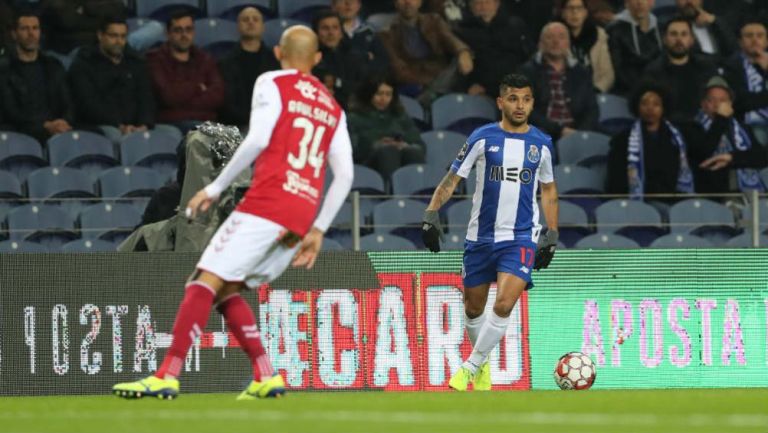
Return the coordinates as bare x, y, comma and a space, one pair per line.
533, 154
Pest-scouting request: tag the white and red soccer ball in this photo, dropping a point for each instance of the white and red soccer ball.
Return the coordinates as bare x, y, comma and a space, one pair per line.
575, 370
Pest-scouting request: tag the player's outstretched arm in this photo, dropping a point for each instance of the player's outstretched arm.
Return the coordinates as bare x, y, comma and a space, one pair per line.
545, 250
431, 230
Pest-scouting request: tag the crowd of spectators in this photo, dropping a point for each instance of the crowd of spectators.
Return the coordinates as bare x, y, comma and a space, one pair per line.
696, 75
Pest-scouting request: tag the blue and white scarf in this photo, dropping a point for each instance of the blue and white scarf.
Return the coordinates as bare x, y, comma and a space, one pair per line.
636, 161
756, 84
735, 139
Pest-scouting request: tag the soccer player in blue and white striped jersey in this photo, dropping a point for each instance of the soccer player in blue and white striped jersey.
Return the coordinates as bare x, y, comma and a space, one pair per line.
511, 159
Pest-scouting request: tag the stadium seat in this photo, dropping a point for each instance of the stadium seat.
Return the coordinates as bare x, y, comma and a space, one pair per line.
416, 179
401, 217
129, 182
229, 9
458, 216
606, 240
160, 9
582, 147
88, 246
59, 182
381, 21
442, 147
151, 149
331, 245
302, 10
217, 36
273, 29
634, 219
145, 33
693, 214
574, 179
368, 180
65, 59
42, 223
764, 176
415, 111
10, 187
462, 113
681, 240
573, 222
453, 241
111, 222
744, 240
22, 247
171, 130
87, 151
614, 114
385, 242
20, 154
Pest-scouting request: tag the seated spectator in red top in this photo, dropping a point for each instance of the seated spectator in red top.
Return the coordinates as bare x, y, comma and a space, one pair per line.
426, 58
186, 81
36, 98
243, 65
111, 83
72, 23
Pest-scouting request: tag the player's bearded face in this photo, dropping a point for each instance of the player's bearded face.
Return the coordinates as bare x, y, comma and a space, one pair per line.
516, 105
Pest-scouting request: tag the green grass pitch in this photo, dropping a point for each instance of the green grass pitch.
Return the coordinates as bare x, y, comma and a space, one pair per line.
660, 411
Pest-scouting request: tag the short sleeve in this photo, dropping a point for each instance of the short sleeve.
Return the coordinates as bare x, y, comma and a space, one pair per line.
467, 156
546, 174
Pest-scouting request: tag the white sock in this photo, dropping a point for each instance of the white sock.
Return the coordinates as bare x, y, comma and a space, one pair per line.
494, 328
473, 327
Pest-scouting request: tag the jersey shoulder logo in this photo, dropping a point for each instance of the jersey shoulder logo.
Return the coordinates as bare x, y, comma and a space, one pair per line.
533, 154
463, 152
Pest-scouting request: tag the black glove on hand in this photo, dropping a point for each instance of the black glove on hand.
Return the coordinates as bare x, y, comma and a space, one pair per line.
545, 249
431, 230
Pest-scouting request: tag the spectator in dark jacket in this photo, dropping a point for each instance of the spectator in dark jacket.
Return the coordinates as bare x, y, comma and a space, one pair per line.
383, 136
685, 74
565, 97
111, 84
634, 41
341, 68
589, 43
500, 44
712, 34
73, 23
243, 65
360, 36
36, 98
747, 73
186, 81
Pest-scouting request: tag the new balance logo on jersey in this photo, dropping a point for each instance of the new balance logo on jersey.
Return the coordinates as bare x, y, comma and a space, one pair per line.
511, 174
524, 269
493, 149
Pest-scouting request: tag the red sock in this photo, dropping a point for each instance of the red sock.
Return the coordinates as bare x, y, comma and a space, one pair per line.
190, 322
242, 324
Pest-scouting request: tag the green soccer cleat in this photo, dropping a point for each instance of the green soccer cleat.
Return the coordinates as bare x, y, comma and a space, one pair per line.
460, 380
482, 380
164, 389
272, 387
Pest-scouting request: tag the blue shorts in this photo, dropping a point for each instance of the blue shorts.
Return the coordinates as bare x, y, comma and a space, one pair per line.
483, 260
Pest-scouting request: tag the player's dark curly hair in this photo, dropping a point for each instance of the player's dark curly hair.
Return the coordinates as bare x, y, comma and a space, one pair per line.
516, 81
646, 86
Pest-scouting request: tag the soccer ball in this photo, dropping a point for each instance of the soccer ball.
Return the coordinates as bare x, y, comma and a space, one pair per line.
575, 370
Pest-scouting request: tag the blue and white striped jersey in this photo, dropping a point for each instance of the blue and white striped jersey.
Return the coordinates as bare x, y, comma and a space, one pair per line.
509, 169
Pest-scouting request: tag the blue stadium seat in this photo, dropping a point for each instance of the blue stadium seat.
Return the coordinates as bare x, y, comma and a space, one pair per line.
401, 217
416, 179
614, 113
273, 29
573, 222
59, 182
22, 247
705, 218
606, 240
681, 240
368, 180
415, 111
145, 33
385, 242
458, 216
160, 9
20, 154
87, 151
88, 246
764, 176
578, 180
217, 36
42, 223
302, 10
744, 240
167, 129
442, 147
229, 9
111, 222
582, 147
10, 187
381, 21
331, 245
151, 149
634, 219
462, 112
129, 182
453, 241
65, 59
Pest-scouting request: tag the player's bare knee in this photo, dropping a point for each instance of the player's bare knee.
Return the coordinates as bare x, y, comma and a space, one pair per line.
473, 310
503, 308
210, 280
